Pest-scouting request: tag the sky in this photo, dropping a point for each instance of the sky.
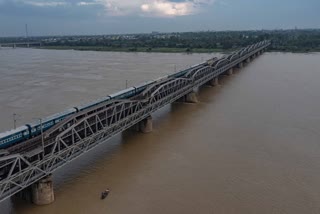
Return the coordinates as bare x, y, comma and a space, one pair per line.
95, 17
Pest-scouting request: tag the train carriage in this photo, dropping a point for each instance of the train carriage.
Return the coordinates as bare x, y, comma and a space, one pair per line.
92, 104
35, 127
14, 136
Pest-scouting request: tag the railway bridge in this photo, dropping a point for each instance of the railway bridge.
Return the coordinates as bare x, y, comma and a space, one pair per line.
26, 167
20, 44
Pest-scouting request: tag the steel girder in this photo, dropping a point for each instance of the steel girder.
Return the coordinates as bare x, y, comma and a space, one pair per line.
221, 61
80, 115
82, 132
150, 89
168, 88
190, 73
202, 72
234, 57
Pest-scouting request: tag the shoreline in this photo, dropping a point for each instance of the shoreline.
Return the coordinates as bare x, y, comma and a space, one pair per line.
136, 50
161, 50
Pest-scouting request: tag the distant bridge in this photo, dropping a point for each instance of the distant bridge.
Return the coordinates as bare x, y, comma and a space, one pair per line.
20, 44
26, 168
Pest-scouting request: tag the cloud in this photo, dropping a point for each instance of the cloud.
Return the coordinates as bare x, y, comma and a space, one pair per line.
45, 3
82, 3
167, 8
150, 8
159, 8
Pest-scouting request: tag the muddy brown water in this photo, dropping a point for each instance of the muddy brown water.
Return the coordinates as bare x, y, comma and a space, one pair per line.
250, 145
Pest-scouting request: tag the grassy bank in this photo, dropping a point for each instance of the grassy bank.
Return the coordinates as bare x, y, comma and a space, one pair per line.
142, 49
172, 50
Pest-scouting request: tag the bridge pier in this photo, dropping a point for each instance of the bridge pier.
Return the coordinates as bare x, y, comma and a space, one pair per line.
146, 126
240, 65
214, 82
42, 191
230, 72
39, 193
191, 98
249, 59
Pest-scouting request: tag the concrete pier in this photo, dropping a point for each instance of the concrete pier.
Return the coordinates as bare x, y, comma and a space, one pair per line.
249, 60
240, 65
39, 193
214, 82
42, 191
230, 72
145, 126
191, 98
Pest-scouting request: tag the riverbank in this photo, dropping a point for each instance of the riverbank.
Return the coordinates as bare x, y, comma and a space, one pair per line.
142, 49
168, 50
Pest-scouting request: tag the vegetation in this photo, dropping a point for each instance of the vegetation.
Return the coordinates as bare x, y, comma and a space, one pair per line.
282, 40
140, 49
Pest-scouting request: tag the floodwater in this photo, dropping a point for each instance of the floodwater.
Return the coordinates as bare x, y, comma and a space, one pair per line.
251, 145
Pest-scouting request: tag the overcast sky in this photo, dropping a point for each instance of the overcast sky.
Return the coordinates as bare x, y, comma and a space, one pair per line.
70, 17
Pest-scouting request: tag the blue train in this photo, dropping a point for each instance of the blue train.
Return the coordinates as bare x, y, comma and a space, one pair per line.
30, 130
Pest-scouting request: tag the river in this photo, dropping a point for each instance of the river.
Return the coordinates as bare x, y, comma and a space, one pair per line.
251, 145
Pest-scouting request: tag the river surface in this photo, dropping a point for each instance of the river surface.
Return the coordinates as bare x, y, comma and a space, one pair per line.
251, 145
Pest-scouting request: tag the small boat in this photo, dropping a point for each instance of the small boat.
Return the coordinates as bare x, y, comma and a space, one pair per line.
104, 194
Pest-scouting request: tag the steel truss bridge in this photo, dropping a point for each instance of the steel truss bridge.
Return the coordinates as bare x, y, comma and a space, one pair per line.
20, 44
33, 160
